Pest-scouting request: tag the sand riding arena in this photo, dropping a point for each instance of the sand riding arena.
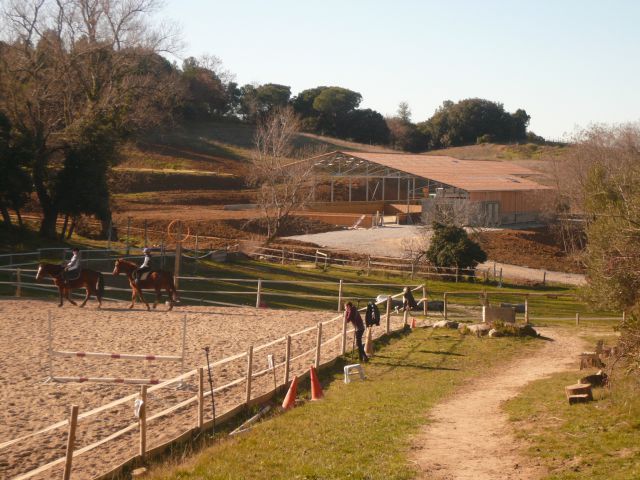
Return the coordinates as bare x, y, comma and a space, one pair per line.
34, 422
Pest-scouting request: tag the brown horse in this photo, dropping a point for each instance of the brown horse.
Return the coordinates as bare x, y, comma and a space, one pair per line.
156, 280
90, 280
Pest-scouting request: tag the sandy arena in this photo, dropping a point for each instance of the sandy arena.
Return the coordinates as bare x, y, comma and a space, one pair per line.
30, 405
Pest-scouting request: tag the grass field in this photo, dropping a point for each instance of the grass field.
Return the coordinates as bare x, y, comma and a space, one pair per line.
362, 430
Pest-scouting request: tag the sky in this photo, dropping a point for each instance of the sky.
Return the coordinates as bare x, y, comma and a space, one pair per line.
568, 63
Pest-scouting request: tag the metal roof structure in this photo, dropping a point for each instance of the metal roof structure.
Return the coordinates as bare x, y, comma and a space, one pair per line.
467, 175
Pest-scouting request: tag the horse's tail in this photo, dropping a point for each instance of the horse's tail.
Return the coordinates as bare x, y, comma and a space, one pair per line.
100, 285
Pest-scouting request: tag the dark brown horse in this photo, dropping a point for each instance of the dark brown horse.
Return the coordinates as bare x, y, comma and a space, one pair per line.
90, 280
156, 280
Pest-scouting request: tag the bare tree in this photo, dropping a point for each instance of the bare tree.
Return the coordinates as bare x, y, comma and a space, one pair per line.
69, 66
284, 183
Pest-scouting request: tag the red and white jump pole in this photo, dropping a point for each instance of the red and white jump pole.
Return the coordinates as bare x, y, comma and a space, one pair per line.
114, 356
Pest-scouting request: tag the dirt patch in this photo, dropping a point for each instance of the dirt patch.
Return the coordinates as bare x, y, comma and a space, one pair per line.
469, 436
534, 248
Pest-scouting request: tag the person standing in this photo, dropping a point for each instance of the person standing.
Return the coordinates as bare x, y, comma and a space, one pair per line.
352, 315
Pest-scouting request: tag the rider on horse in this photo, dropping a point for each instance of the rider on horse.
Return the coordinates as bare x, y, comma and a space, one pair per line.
144, 267
72, 268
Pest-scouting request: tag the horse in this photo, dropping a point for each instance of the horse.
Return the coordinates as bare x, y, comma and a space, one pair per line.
157, 280
90, 280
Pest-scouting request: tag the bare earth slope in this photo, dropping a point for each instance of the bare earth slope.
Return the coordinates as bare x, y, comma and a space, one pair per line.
469, 436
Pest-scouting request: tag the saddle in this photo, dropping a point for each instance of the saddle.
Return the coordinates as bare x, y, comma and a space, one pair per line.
71, 275
145, 275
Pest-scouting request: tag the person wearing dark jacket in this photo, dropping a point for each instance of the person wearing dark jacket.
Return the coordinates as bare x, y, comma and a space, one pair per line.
352, 315
408, 302
372, 316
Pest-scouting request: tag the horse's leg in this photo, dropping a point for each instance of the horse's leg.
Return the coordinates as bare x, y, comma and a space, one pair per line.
87, 289
170, 295
68, 297
142, 299
158, 298
134, 294
61, 295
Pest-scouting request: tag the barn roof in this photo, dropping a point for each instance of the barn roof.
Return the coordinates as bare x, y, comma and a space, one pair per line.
469, 175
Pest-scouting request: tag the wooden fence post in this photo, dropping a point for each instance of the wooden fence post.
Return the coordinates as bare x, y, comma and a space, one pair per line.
18, 282
143, 421
526, 309
200, 397
624, 316
178, 262
282, 261
544, 278
425, 307
249, 372
500, 284
343, 348
404, 318
444, 307
577, 318
287, 360
340, 296
368, 265
318, 345
258, 293
457, 274
413, 269
71, 440
388, 327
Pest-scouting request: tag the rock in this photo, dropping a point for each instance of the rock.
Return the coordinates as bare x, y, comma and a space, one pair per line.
479, 329
494, 333
445, 324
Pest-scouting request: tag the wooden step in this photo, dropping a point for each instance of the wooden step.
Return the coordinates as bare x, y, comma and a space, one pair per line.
580, 398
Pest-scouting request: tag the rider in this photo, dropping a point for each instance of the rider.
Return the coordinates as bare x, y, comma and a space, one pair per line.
145, 267
73, 266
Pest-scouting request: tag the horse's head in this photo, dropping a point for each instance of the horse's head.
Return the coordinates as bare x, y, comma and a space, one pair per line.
48, 269
116, 268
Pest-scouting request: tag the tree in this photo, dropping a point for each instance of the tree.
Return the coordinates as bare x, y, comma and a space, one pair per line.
451, 247
404, 112
283, 184
365, 126
471, 120
206, 95
405, 136
15, 183
70, 64
259, 101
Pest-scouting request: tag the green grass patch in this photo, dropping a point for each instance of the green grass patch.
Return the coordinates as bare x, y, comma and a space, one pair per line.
362, 430
597, 440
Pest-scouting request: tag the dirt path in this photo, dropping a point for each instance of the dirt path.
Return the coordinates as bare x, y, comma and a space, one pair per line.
470, 437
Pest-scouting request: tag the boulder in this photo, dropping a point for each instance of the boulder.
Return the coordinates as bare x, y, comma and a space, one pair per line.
445, 324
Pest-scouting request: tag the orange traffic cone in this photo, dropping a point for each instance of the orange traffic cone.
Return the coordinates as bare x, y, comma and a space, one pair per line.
316, 388
413, 323
290, 398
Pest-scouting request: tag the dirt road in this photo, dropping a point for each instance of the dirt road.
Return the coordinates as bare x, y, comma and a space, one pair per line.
469, 436
390, 240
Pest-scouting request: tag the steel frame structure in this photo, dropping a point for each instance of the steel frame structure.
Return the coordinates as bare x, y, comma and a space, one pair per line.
337, 166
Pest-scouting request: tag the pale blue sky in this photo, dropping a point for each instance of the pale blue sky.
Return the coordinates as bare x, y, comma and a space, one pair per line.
568, 63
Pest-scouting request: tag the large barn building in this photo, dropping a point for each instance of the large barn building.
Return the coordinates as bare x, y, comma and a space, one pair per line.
475, 191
